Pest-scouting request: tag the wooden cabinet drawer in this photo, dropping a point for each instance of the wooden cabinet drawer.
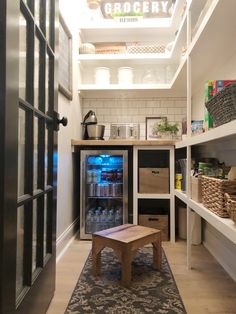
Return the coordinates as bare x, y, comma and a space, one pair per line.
158, 222
154, 180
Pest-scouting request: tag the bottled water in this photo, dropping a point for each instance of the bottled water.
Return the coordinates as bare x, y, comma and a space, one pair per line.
118, 218
97, 222
89, 222
111, 218
103, 220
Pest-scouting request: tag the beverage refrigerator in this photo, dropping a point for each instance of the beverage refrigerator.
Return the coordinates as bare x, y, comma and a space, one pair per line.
103, 190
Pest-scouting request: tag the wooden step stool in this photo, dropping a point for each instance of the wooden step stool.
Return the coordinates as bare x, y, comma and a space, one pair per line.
125, 240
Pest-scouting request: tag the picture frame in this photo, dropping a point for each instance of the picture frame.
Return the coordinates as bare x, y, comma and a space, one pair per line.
65, 59
150, 123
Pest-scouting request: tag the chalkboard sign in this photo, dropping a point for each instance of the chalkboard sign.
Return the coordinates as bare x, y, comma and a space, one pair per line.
65, 59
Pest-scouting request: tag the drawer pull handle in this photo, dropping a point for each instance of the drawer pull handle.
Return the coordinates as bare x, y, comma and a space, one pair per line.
153, 219
155, 173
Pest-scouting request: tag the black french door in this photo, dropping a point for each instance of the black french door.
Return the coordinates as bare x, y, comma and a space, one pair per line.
28, 158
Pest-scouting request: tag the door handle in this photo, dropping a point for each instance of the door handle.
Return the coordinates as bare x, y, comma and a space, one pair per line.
57, 121
63, 121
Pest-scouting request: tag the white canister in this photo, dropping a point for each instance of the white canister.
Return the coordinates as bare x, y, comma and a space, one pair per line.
102, 75
125, 75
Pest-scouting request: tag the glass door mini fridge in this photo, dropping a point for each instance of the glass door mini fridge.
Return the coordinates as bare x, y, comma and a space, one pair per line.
103, 190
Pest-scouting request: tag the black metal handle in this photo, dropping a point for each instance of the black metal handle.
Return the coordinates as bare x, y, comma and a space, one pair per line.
63, 121
153, 219
57, 121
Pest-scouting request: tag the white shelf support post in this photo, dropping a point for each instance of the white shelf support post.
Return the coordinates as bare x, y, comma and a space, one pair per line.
189, 80
135, 186
172, 195
189, 222
189, 118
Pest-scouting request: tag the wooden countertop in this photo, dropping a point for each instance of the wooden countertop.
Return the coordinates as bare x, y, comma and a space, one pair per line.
122, 143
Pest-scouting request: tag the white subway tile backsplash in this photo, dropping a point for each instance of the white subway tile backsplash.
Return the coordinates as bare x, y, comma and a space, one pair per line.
145, 111
171, 110
135, 110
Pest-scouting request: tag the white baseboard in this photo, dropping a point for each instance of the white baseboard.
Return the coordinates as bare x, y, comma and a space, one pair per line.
66, 238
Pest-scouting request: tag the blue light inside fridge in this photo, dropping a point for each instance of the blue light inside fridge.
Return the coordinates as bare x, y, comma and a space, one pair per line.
106, 160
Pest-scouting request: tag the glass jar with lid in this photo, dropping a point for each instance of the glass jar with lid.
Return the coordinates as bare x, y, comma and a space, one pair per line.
149, 77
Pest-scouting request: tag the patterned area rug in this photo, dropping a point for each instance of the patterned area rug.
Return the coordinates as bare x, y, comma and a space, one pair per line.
151, 291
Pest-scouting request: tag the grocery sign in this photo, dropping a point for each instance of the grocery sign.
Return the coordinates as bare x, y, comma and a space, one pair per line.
158, 8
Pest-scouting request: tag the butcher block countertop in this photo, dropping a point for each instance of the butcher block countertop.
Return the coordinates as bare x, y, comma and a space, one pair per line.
122, 142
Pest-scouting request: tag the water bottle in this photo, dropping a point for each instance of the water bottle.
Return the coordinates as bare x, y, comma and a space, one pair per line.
103, 220
118, 218
97, 224
111, 218
89, 222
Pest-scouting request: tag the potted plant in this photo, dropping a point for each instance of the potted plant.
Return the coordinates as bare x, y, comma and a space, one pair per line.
164, 129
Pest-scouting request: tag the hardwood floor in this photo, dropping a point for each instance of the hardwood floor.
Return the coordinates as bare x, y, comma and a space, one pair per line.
205, 289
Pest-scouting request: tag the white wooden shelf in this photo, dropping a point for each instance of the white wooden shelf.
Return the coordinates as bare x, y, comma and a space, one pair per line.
143, 30
135, 57
220, 133
224, 225
148, 58
181, 195
172, 58
153, 196
177, 87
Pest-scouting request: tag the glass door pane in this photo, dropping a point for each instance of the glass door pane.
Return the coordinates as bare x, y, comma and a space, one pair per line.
20, 251
46, 159
21, 152
34, 236
35, 161
48, 25
47, 64
37, 4
36, 72
22, 59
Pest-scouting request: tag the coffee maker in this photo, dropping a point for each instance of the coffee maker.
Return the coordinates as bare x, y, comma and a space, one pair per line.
89, 118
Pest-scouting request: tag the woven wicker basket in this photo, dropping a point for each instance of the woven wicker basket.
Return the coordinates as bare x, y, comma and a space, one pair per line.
230, 201
222, 107
213, 191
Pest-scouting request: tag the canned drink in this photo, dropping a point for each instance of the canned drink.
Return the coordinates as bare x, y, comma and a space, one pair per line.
110, 175
104, 175
119, 175
95, 176
114, 189
89, 176
105, 190
91, 190
110, 189
98, 190
118, 189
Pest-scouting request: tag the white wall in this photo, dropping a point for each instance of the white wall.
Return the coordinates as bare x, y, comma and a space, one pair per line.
66, 214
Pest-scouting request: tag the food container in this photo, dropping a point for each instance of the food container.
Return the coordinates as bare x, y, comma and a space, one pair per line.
196, 189
87, 48
125, 75
102, 75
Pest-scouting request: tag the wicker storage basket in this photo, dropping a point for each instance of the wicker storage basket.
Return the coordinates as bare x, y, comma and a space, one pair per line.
230, 201
222, 107
213, 191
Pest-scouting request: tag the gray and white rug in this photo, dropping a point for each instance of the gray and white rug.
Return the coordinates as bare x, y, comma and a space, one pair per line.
151, 291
